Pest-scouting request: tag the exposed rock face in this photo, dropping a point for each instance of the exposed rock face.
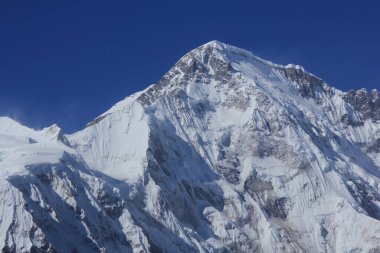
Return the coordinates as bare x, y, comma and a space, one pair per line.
307, 84
367, 104
226, 153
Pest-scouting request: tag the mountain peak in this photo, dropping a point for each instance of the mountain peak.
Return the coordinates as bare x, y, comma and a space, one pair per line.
214, 43
220, 62
226, 51
229, 143
55, 133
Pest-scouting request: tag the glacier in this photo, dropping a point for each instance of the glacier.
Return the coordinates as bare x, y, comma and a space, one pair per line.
227, 152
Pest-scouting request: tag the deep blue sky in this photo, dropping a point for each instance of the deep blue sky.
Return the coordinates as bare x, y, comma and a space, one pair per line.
66, 62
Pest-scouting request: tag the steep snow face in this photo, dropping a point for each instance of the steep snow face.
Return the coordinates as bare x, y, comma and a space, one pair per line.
227, 152
117, 143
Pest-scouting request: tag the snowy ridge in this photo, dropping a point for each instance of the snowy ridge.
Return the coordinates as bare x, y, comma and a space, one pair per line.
227, 152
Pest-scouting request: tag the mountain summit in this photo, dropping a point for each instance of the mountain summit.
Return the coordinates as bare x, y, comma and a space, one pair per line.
227, 152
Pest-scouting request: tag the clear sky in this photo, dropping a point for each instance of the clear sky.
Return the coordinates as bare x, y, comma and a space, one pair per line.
66, 62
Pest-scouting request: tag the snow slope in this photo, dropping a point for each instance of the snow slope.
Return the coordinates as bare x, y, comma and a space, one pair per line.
227, 152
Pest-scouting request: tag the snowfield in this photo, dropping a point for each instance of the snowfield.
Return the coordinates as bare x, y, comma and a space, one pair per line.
227, 152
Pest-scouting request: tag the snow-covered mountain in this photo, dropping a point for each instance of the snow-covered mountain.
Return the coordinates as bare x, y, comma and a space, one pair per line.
227, 152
